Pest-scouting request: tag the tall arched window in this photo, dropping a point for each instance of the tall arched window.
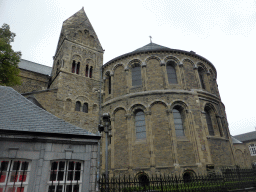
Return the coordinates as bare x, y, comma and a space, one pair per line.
109, 84
85, 108
136, 75
140, 125
77, 68
209, 121
78, 106
178, 122
171, 72
201, 77
73, 67
86, 71
91, 72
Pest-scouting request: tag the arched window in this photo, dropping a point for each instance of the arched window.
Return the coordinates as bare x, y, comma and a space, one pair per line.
178, 122
86, 71
171, 72
201, 77
109, 84
85, 108
136, 75
140, 125
209, 121
75, 67
91, 72
78, 106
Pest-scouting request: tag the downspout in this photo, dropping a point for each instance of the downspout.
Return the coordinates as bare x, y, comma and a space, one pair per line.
100, 112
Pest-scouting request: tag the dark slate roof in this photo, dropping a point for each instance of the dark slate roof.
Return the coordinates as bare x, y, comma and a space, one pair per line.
151, 47
35, 67
246, 136
235, 141
19, 114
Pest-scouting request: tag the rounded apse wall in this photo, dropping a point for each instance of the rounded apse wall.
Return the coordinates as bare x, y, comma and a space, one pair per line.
166, 113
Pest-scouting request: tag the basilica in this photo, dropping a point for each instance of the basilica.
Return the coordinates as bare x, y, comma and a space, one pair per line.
165, 108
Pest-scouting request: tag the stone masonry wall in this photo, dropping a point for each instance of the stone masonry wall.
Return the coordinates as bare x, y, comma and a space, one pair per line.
31, 81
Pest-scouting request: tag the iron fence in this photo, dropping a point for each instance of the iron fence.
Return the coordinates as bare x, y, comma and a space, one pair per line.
229, 180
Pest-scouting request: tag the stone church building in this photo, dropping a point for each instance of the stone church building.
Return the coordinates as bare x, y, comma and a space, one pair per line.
166, 111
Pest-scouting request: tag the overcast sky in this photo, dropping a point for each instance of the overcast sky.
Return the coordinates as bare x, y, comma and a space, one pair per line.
223, 31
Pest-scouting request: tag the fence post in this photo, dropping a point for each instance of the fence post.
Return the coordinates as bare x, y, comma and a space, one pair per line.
161, 183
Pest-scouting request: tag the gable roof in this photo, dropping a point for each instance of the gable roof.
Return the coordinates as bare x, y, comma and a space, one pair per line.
246, 136
19, 114
35, 67
235, 141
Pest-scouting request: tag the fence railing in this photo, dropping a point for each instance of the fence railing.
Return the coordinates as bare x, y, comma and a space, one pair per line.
229, 180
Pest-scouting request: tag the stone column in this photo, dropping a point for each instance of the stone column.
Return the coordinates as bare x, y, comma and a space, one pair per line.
144, 76
181, 68
112, 145
173, 139
164, 72
127, 80
197, 77
130, 140
150, 138
206, 134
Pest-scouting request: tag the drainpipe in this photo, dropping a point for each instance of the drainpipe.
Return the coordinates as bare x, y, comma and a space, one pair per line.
98, 157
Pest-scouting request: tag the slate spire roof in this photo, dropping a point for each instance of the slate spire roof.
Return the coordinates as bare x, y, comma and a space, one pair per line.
19, 114
77, 21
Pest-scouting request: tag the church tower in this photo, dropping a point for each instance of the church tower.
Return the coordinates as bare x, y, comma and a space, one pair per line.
76, 72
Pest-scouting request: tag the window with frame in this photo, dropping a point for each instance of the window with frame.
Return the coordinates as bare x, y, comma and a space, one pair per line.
178, 122
209, 121
140, 125
252, 149
171, 72
65, 176
136, 75
14, 175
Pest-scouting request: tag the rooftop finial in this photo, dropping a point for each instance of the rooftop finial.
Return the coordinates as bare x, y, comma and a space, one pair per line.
150, 39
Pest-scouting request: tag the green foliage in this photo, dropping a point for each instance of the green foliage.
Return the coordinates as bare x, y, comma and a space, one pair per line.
8, 58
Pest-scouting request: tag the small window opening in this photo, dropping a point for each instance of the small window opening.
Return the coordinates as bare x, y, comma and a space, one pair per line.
91, 72
78, 106
140, 125
109, 84
77, 68
178, 122
73, 67
136, 76
86, 71
85, 108
171, 72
